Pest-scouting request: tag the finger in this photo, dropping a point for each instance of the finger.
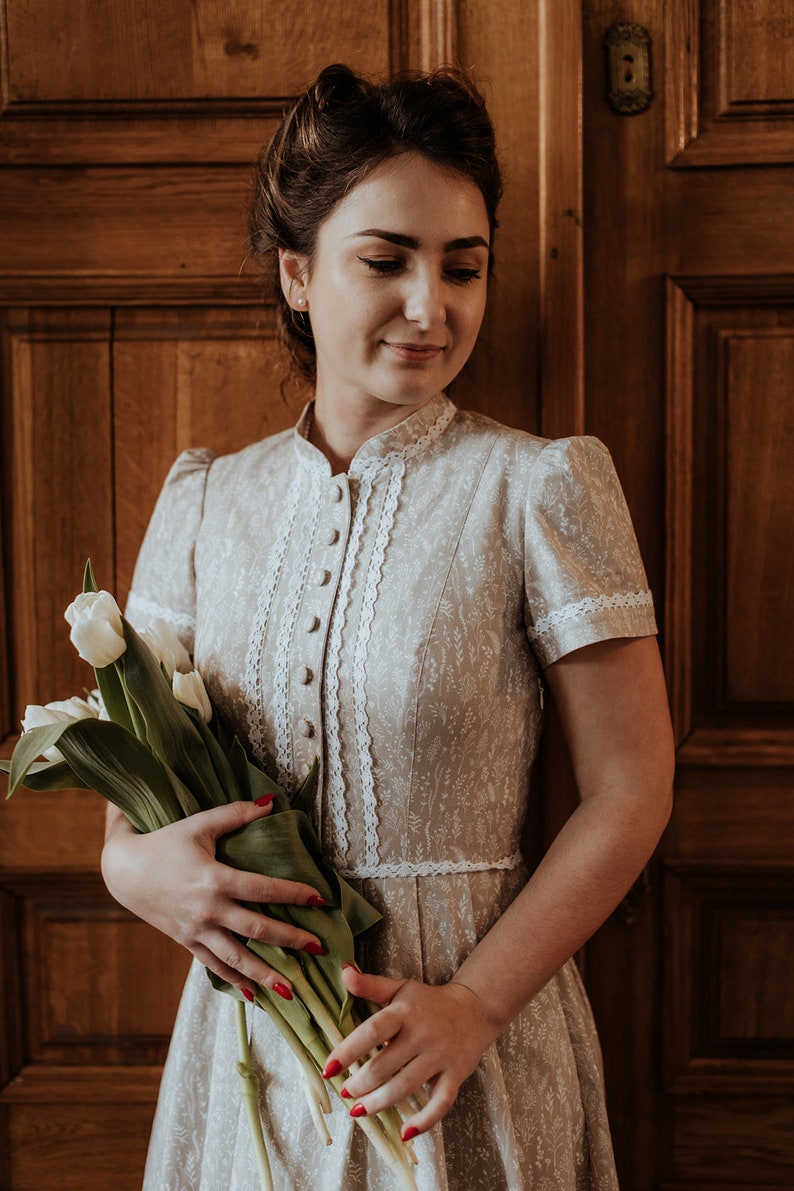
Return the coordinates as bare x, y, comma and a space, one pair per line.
372, 1033
383, 1066
380, 989
402, 1084
220, 820
224, 955
442, 1097
253, 887
270, 930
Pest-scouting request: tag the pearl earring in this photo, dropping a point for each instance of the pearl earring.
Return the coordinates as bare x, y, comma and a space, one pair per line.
301, 302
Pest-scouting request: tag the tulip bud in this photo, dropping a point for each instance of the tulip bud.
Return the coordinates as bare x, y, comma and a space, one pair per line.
166, 647
96, 633
190, 690
58, 712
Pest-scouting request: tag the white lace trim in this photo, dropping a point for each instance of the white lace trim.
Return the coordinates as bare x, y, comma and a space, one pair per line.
431, 868
252, 680
359, 670
281, 663
141, 611
620, 599
375, 462
337, 793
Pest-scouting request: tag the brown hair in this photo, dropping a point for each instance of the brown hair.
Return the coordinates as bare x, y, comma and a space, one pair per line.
337, 132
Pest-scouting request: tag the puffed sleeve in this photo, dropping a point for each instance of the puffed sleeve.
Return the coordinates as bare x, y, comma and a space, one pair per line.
584, 580
163, 584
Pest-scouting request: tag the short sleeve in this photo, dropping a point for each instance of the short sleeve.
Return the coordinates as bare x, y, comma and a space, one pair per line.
584, 577
163, 584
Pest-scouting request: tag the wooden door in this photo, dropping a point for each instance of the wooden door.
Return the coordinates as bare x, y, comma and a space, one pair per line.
688, 263
131, 328
643, 293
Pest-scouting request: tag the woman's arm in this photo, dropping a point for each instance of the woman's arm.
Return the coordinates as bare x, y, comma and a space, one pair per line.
613, 706
171, 879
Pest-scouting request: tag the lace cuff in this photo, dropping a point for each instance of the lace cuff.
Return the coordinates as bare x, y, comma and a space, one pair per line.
595, 618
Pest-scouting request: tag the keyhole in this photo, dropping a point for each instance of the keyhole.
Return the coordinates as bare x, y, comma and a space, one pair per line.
628, 75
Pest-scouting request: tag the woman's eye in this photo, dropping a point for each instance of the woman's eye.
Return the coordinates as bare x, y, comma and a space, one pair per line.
380, 266
463, 276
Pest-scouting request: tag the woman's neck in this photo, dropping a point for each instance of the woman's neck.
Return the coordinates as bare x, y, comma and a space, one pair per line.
339, 428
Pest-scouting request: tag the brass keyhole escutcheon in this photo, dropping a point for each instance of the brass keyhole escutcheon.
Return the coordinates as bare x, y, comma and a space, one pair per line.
628, 49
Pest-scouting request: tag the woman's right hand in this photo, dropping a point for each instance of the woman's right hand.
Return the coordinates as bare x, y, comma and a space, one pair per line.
171, 879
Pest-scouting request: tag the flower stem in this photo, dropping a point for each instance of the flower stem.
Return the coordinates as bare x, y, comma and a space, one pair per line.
314, 1086
249, 1090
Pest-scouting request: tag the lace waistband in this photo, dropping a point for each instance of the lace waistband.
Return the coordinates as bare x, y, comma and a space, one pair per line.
428, 868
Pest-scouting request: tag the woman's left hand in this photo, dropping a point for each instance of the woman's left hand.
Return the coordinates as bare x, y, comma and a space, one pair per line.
436, 1035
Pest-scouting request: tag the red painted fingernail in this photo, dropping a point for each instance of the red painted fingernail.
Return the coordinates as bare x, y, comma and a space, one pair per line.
265, 800
316, 901
410, 1132
331, 1069
283, 991
343, 1092
353, 966
249, 996
358, 1110
314, 948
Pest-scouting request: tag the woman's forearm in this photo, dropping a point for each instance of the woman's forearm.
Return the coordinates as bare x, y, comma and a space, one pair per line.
588, 869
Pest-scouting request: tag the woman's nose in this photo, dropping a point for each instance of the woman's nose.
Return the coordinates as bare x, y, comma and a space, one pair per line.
424, 301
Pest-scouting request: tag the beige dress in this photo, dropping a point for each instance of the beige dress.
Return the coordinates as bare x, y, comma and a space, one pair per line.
395, 621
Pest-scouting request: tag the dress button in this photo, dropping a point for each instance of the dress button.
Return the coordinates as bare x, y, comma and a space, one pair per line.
336, 493
305, 675
332, 537
322, 576
306, 728
312, 624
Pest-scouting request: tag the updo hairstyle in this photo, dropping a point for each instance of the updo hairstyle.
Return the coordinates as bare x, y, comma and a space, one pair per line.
334, 136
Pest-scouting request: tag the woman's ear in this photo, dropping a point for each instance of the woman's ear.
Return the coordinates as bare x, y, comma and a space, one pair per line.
292, 274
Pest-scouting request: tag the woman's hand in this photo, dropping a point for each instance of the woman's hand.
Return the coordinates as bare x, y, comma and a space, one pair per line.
171, 879
436, 1035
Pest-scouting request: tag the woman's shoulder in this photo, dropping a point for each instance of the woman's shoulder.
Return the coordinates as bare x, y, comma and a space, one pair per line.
256, 455
531, 453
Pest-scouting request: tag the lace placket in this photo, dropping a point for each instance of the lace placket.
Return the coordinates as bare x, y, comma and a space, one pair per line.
252, 682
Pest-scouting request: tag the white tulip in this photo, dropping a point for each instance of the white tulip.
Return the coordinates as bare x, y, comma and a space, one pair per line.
96, 701
58, 712
96, 633
166, 647
190, 690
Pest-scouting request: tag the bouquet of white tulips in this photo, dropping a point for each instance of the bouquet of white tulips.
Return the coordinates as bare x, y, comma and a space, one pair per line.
149, 741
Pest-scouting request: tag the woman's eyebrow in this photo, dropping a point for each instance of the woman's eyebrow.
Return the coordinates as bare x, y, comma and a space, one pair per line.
411, 241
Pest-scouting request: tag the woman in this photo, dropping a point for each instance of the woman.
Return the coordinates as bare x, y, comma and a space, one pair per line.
382, 587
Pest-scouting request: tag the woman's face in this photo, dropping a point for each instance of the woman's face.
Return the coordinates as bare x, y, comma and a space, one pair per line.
396, 290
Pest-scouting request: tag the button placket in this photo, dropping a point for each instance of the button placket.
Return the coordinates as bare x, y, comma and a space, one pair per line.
310, 638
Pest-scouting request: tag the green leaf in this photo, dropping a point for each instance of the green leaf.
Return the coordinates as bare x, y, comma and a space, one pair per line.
304, 798
282, 846
111, 688
171, 733
46, 775
224, 771
285, 845
29, 748
110, 760
89, 582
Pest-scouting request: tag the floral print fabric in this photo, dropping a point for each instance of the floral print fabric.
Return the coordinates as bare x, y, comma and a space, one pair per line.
395, 621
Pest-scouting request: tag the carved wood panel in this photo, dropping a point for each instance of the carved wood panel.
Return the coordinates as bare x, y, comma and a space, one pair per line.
189, 82
204, 377
729, 91
730, 512
77, 1011
729, 1018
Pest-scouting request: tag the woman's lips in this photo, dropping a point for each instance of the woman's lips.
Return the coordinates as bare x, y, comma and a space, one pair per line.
415, 353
